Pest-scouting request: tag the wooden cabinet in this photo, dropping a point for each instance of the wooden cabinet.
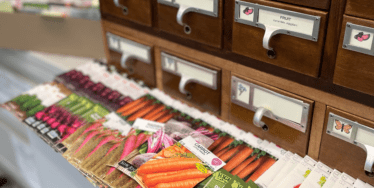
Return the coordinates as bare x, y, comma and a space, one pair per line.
354, 66
291, 47
284, 110
139, 11
202, 24
318, 4
360, 8
338, 153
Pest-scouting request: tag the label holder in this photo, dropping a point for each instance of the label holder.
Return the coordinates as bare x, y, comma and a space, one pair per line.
185, 79
261, 111
184, 9
271, 31
369, 163
126, 56
347, 37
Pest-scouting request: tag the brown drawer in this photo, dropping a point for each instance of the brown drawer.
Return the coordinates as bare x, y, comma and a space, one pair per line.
360, 8
341, 147
354, 66
285, 117
191, 81
320, 4
202, 24
294, 36
134, 58
139, 11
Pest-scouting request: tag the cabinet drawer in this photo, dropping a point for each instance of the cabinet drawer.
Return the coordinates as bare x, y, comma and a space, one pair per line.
284, 35
360, 8
198, 20
134, 58
354, 66
189, 80
139, 11
319, 4
271, 113
343, 141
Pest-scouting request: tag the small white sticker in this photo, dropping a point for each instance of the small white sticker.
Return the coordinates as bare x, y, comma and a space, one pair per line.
147, 125
341, 128
361, 39
113, 43
242, 92
203, 153
52, 134
169, 64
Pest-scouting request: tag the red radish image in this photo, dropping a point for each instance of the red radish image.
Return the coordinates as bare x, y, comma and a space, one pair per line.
248, 11
361, 37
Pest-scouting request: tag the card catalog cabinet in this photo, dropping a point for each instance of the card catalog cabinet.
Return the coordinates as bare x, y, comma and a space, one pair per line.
318, 4
139, 11
280, 34
347, 144
134, 58
354, 66
198, 20
192, 81
272, 114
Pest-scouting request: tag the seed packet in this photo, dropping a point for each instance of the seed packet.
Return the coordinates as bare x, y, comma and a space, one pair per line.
217, 180
318, 177
359, 184
236, 182
334, 176
187, 163
296, 177
345, 181
368, 186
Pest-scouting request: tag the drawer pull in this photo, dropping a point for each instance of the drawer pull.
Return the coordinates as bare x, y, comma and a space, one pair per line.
182, 84
129, 50
277, 21
183, 9
355, 133
116, 2
260, 112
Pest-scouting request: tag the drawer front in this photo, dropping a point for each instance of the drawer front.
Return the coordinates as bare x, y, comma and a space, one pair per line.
133, 58
139, 11
319, 4
354, 66
202, 24
340, 147
293, 39
192, 82
285, 117
360, 8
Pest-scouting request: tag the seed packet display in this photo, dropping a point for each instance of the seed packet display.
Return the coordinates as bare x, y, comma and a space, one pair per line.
331, 180
296, 177
344, 181
368, 186
184, 164
359, 184
288, 168
318, 177
217, 180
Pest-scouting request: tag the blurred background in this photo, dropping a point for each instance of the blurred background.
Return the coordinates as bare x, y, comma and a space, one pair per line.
40, 39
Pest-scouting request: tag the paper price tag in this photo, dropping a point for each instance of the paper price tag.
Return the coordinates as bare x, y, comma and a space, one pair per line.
147, 125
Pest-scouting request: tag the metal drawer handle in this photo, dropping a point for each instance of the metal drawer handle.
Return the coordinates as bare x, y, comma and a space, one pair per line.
369, 163
270, 32
260, 112
124, 59
182, 84
183, 9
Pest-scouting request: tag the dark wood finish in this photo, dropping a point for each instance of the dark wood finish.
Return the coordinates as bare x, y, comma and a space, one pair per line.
284, 136
316, 130
204, 29
332, 39
353, 69
139, 11
314, 89
202, 96
360, 8
228, 20
300, 55
136, 69
342, 155
319, 4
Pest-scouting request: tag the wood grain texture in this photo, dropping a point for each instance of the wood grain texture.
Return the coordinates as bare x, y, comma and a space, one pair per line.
360, 8
316, 130
332, 39
226, 95
342, 155
158, 67
319, 4
293, 53
138, 11
207, 98
204, 29
279, 82
353, 69
285, 136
